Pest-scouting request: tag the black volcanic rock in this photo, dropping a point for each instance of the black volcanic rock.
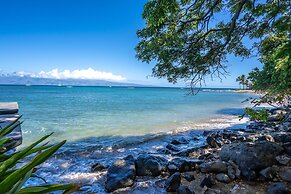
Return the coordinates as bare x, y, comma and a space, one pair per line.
147, 164
251, 157
173, 182
121, 174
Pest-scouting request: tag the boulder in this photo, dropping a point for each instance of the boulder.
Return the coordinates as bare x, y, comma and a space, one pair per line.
212, 142
283, 159
221, 177
172, 168
189, 177
208, 181
173, 182
282, 137
147, 164
121, 174
287, 147
285, 174
251, 157
184, 164
213, 167
278, 188
269, 173
235, 167
186, 152
231, 172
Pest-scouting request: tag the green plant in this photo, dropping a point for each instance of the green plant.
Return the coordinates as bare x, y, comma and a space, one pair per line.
257, 115
12, 178
191, 40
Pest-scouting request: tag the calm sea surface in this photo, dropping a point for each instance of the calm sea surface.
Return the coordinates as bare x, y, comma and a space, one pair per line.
75, 113
103, 124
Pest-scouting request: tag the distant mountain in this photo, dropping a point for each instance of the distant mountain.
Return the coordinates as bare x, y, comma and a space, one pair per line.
26, 80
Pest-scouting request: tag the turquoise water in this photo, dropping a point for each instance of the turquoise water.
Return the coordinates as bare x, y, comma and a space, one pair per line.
74, 113
103, 124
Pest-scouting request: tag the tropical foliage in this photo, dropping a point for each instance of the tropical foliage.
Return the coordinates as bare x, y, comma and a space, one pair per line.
191, 39
13, 176
275, 77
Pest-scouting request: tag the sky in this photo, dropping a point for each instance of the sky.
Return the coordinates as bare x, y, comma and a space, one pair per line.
83, 39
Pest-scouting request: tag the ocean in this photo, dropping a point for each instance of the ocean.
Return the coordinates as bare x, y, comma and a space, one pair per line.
75, 113
102, 124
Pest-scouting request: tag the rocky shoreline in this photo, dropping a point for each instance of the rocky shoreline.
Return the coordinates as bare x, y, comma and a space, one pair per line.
256, 159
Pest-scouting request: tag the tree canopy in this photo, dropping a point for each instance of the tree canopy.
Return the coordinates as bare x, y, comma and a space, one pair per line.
275, 77
191, 39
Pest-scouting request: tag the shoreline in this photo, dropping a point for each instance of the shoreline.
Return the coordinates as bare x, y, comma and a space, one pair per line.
72, 164
89, 167
251, 160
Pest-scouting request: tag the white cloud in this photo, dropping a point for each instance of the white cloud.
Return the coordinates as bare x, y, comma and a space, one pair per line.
89, 74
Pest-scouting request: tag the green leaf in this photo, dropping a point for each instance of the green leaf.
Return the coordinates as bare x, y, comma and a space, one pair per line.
16, 157
69, 188
9, 128
18, 186
3, 141
12, 179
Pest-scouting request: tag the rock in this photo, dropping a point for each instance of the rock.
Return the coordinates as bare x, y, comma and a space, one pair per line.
184, 164
231, 172
236, 169
269, 173
285, 174
186, 152
221, 177
172, 168
121, 174
278, 188
173, 147
214, 167
237, 189
266, 138
184, 190
173, 182
287, 147
160, 183
282, 137
212, 142
98, 167
189, 177
150, 165
283, 159
208, 181
181, 140
251, 157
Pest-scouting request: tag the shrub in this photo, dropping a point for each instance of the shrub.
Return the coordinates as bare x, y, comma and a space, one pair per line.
13, 178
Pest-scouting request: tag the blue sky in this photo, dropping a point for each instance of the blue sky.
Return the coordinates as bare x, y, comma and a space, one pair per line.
42, 35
